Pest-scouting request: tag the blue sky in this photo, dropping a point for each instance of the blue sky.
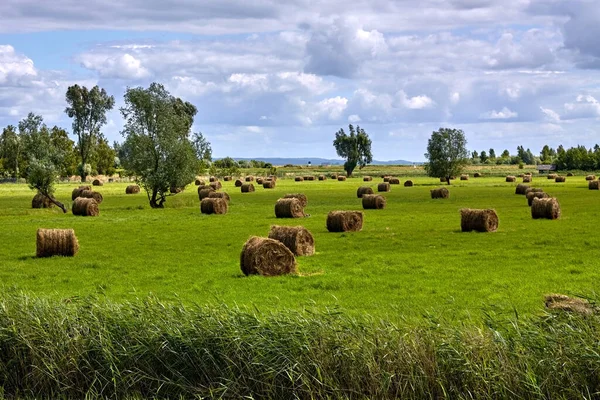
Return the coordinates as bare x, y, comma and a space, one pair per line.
278, 79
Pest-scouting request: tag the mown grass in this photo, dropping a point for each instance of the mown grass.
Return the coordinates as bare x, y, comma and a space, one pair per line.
409, 260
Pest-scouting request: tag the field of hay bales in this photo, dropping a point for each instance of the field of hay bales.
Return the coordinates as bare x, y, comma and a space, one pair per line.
410, 258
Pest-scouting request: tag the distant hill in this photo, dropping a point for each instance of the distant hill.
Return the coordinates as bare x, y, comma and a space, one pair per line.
318, 161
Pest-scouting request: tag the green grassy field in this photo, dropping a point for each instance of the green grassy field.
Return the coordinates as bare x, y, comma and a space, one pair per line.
409, 260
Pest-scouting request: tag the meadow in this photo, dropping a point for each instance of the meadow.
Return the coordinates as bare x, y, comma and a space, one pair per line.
410, 261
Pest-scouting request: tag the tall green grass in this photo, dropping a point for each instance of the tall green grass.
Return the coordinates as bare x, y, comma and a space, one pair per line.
149, 349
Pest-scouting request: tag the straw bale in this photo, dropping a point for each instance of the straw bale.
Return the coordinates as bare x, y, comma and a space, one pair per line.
216, 185
341, 178
373, 202
394, 181
247, 188
535, 195
562, 302
300, 196
289, 208
299, 179
132, 189
56, 242
90, 194
249, 179
85, 207
97, 182
521, 189
560, 179
383, 187
344, 221
269, 184
41, 201
219, 195
322, 178
594, 185
547, 208
485, 220
296, 238
440, 193
511, 178
464, 177
238, 183
408, 183
363, 190
268, 257
211, 205
367, 178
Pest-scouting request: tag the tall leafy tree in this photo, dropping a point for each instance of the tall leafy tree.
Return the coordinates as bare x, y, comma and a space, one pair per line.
10, 149
447, 153
59, 138
492, 154
483, 156
355, 147
203, 151
103, 159
88, 110
157, 147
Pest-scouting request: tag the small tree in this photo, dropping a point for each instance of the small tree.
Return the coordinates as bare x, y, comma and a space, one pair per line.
447, 153
11, 148
157, 149
355, 148
203, 151
41, 176
88, 109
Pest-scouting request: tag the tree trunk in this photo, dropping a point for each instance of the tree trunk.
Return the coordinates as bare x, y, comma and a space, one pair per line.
448, 180
58, 203
154, 202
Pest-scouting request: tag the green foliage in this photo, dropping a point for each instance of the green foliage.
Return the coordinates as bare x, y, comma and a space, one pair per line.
11, 148
447, 153
355, 147
103, 158
157, 149
483, 157
492, 154
66, 164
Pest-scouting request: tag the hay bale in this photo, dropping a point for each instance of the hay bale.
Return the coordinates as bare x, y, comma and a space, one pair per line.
477, 175
334, 176
521, 189
216, 185
570, 174
77, 191
442, 179
269, 184
296, 238
373, 202
527, 178
204, 192
289, 208
300, 196
219, 195
299, 179
272, 177
238, 183
386, 178
560, 179
211, 205
213, 179
485, 220
56, 242
132, 189
394, 181
260, 181
198, 182
175, 190
440, 193
249, 179
535, 195
383, 187
268, 257
532, 189
408, 183
563, 302
511, 178
97, 182
547, 208
227, 178
322, 178
90, 194
594, 185
341, 178
85, 207
552, 176
41, 201
309, 178
590, 177
363, 190
367, 178
344, 221
247, 188
464, 177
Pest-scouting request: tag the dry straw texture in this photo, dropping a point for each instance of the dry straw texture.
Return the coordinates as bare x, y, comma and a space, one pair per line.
249, 179
77, 191
394, 181
547, 208
175, 190
535, 195
341, 178
383, 187
227, 178
260, 181
85, 207
272, 177
594, 185
477, 175
440, 193
238, 183
442, 179
570, 174
560, 179
300, 196
56, 242
361, 191
213, 179
216, 185
334, 176
552, 176
289, 208
408, 183
198, 182
204, 192
90, 194
478, 220
132, 189
367, 178
309, 178
521, 189
97, 182
269, 184
268, 257
387, 178
569, 304
247, 188
296, 238
344, 221
511, 178
41, 201
322, 178
219, 195
464, 177
590, 177
299, 179
213, 206
527, 179
373, 202
532, 189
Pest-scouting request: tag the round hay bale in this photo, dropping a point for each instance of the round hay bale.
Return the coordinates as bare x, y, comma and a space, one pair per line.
511, 178
552, 176
334, 176
56, 242
394, 181
322, 178
211, 205
175, 190
560, 179
296, 238
309, 178
477, 175
521, 189
111, 180
299, 179
97, 182
213, 179
590, 177
408, 183
219, 195
249, 179
199, 182
247, 188
132, 189
289, 208
570, 174
41, 201
341, 178
478, 220
527, 178
547, 208
85, 207
373, 202
440, 193
216, 185
531, 189
344, 221
272, 177
238, 183
464, 177
442, 179
90, 194
269, 184
386, 178
363, 190
77, 191
300, 196
260, 181
268, 257
563, 302
535, 195
594, 185
204, 192
367, 178
383, 187
227, 178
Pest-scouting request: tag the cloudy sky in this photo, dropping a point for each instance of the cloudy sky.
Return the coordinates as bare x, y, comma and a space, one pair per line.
278, 78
